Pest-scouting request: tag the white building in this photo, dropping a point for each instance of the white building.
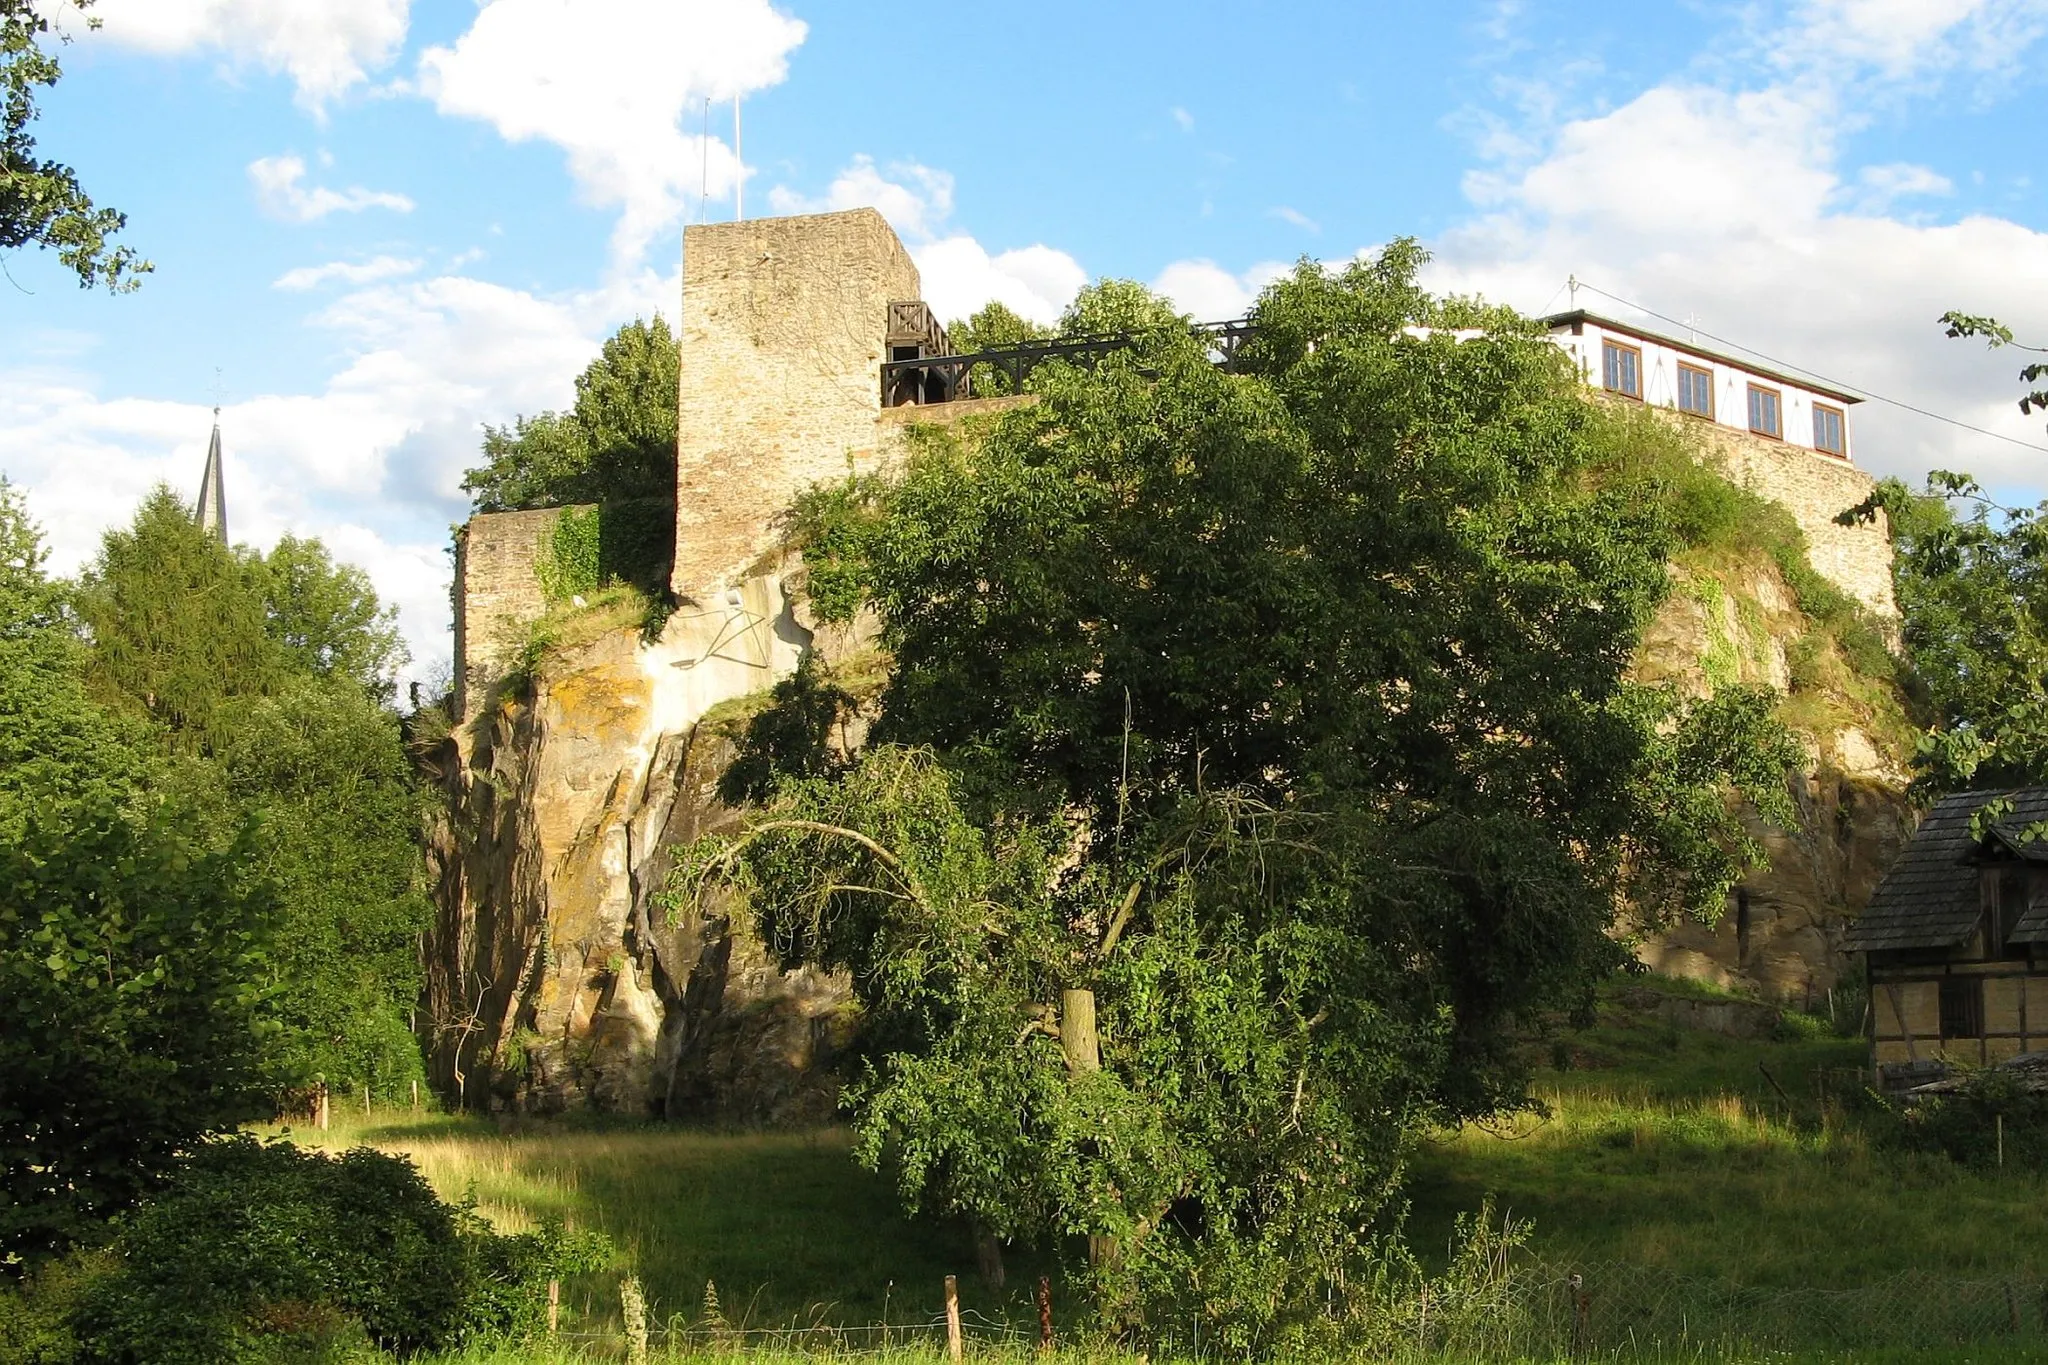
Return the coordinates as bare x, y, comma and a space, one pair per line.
1630, 362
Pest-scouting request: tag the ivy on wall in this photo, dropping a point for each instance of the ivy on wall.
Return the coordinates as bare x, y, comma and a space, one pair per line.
569, 563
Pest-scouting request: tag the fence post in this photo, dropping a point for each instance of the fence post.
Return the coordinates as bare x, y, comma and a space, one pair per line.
953, 1348
366, 1103
2012, 1307
554, 1307
415, 1097
633, 1308
1044, 1313
1582, 1314
320, 1106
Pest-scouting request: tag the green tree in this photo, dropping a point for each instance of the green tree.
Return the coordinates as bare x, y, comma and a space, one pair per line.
41, 202
59, 750
1996, 334
1109, 306
130, 967
617, 444
180, 634
1258, 757
323, 763
1971, 578
992, 328
267, 679
326, 616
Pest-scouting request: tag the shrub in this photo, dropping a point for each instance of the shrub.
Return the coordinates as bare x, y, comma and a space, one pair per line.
264, 1252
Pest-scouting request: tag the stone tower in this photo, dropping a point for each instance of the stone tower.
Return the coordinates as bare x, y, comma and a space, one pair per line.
782, 339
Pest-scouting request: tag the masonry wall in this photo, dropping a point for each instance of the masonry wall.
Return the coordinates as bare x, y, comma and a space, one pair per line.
782, 339
1815, 489
496, 594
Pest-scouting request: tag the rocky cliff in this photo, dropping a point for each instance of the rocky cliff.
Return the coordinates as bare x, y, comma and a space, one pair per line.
556, 977
1735, 618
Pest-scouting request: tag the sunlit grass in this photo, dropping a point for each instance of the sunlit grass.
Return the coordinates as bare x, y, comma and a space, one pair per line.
786, 1225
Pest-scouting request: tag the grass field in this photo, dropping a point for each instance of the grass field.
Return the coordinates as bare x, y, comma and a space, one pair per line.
1681, 1160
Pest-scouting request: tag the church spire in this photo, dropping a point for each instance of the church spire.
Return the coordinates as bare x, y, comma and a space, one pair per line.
213, 507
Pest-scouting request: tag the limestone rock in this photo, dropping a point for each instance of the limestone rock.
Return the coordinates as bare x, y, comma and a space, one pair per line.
557, 978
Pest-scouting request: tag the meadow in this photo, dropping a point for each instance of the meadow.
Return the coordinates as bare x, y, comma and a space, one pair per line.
1707, 1188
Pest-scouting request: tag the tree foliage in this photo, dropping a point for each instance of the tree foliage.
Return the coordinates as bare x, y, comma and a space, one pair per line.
42, 203
1283, 713
130, 1008
266, 1251
267, 679
1995, 335
618, 443
1972, 584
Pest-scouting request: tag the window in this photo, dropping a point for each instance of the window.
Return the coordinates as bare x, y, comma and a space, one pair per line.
1621, 368
2006, 900
1695, 390
1962, 1007
1828, 431
1763, 412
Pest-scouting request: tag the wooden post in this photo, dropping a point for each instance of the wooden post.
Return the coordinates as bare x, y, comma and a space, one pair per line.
320, 1106
554, 1306
1044, 1313
415, 1097
366, 1102
2012, 1306
1582, 1314
953, 1348
633, 1309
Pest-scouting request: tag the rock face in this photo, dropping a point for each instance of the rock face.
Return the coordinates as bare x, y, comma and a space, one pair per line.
1780, 936
557, 978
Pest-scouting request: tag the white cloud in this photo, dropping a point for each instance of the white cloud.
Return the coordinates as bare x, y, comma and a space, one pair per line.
370, 460
1901, 39
1210, 292
615, 84
1035, 282
1885, 185
916, 202
1738, 207
346, 272
1183, 118
281, 195
1294, 218
959, 274
325, 46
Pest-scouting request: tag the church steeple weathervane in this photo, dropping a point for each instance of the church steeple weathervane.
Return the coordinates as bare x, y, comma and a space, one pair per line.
213, 508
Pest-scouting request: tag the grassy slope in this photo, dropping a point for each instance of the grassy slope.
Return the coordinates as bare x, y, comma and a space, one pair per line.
1663, 1148
785, 1224
1674, 1151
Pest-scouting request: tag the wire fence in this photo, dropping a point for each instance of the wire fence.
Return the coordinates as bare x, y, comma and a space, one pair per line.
1535, 1310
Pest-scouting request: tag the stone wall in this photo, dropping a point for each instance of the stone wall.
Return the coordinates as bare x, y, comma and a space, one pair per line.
1815, 489
496, 595
782, 341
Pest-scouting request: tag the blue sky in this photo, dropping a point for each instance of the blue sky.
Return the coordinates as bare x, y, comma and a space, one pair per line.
383, 224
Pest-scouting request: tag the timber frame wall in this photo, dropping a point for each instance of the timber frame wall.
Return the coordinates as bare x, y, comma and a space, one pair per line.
1905, 1005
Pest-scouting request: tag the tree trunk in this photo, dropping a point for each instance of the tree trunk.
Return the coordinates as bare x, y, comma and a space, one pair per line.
988, 1257
1077, 1032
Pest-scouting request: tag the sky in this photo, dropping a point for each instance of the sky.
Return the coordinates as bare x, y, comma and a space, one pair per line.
379, 225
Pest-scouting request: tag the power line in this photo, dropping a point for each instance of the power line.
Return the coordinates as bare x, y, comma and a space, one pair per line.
1840, 384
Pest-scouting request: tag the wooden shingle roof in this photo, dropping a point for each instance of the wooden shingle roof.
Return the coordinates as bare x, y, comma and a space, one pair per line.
1930, 898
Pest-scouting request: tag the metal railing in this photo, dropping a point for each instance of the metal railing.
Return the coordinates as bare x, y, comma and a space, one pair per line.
947, 378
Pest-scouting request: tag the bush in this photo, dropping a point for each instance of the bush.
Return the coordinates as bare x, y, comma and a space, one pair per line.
266, 1252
